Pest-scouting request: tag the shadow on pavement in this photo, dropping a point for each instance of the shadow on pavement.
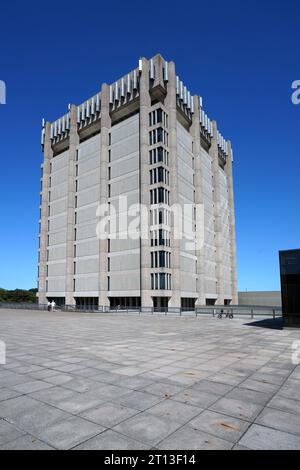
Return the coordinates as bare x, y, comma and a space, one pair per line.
274, 324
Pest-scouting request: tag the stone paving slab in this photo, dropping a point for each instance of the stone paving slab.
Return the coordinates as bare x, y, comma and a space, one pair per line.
220, 425
281, 420
263, 438
29, 415
100, 381
68, 433
147, 428
111, 440
8, 432
109, 414
237, 408
188, 438
26, 442
179, 412
138, 400
6, 393
285, 404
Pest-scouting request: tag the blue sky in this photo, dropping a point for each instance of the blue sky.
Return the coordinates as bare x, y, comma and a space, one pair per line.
241, 57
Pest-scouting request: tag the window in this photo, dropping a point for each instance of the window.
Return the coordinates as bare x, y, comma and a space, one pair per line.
159, 154
151, 157
158, 116
160, 237
158, 135
152, 176
161, 193
159, 196
160, 281
151, 142
159, 175
160, 259
160, 216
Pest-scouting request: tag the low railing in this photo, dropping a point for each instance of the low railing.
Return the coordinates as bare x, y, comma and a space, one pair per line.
23, 305
240, 310
214, 311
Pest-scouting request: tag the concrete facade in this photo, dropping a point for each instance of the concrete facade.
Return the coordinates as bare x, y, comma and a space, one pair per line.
142, 146
260, 298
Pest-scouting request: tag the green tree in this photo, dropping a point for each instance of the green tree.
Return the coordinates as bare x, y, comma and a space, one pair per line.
18, 295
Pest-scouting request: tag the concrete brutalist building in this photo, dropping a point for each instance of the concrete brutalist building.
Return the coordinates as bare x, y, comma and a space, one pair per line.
147, 139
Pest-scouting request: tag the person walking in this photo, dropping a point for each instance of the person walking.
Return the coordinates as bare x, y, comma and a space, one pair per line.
49, 306
53, 305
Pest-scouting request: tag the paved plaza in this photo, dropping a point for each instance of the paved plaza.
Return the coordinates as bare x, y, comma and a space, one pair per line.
100, 381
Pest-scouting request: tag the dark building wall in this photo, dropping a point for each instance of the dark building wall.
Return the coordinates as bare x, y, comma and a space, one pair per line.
290, 286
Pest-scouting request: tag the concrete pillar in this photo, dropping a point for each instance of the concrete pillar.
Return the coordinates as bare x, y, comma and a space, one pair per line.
198, 182
48, 154
217, 216
158, 64
170, 104
145, 106
228, 171
73, 146
104, 147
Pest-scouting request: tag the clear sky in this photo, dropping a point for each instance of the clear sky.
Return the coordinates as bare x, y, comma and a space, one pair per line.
242, 57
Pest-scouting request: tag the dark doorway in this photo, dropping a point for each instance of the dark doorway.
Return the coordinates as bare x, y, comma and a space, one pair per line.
86, 303
188, 303
160, 302
125, 302
210, 301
